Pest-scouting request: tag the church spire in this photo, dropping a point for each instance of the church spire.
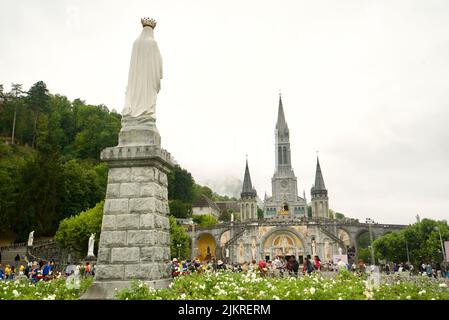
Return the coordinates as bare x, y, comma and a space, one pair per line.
319, 181
247, 185
320, 200
281, 123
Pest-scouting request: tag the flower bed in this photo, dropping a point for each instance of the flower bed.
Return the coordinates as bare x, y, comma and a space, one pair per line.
250, 286
43, 290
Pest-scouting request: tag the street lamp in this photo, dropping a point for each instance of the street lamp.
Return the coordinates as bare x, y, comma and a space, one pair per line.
369, 222
193, 239
441, 240
179, 250
408, 257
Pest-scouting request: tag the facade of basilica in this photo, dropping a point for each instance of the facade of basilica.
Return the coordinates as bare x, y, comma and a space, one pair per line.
286, 229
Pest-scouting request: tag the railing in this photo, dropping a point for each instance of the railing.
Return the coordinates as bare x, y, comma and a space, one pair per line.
36, 243
333, 236
235, 237
297, 220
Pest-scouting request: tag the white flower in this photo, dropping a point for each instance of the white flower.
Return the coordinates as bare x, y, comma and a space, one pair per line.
422, 292
408, 297
15, 293
368, 294
276, 298
312, 290
443, 285
183, 296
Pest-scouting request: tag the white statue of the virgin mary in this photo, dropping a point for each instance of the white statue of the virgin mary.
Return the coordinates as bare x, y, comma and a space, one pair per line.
90, 249
31, 238
144, 78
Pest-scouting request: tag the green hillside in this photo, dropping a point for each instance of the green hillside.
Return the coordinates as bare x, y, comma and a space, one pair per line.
53, 169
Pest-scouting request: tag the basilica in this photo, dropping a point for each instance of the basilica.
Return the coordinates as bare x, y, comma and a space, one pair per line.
286, 228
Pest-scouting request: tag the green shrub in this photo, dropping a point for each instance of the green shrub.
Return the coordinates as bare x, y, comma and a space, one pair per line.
205, 220
74, 232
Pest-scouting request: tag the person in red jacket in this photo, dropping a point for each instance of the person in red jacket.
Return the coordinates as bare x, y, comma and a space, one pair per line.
262, 267
317, 262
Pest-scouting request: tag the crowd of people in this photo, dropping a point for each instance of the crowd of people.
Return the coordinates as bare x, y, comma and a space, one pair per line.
43, 271
282, 266
34, 271
279, 267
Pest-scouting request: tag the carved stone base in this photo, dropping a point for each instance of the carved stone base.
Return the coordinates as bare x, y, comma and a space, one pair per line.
139, 136
90, 258
135, 239
140, 131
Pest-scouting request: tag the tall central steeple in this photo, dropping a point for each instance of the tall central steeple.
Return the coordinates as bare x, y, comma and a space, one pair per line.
281, 123
284, 202
284, 181
283, 159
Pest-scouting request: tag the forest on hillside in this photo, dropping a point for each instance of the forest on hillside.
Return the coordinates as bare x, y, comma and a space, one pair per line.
50, 166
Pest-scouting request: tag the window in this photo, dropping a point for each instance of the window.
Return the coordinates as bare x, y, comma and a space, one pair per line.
280, 155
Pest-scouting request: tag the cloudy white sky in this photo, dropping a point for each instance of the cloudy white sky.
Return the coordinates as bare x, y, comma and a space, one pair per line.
364, 82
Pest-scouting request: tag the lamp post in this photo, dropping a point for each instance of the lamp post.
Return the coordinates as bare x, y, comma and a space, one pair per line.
441, 241
179, 250
408, 257
369, 222
193, 239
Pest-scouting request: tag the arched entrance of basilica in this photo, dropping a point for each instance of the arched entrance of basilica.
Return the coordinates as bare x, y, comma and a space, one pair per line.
283, 243
205, 247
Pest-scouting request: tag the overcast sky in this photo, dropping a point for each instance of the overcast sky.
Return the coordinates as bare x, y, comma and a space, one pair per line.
364, 82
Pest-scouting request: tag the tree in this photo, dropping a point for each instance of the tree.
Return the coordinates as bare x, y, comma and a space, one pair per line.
82, 186
38, 99
259, 213
97, 129
339, 216
225, 215
309, 211
421, 239
180, 209
364, 254
180, 185
199, 191
205, 220
16, 90
10, 168
179, 240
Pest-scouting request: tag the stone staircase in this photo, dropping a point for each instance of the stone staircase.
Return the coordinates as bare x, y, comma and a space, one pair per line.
10, 252
42, 250
333, 237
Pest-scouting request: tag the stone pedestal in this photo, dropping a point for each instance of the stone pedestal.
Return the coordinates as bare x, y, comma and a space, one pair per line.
135, 239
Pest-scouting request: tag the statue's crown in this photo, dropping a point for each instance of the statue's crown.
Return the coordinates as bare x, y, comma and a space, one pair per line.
150, 22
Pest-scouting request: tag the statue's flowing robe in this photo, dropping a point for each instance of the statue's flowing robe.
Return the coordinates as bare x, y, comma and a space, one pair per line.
90, 249
144, 78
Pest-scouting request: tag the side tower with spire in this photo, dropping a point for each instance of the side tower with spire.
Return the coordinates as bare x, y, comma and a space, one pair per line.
320, 200
248, 198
